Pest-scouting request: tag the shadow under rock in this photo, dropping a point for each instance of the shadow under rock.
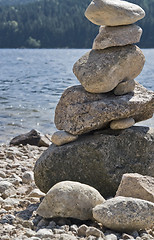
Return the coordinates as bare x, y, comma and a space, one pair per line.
28, 212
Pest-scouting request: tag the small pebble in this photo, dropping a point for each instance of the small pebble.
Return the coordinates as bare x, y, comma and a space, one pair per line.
27, 177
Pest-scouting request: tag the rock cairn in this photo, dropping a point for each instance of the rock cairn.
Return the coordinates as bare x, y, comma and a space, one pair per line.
108, 99
108, 95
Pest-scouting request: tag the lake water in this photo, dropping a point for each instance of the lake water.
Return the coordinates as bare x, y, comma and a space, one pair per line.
32, 81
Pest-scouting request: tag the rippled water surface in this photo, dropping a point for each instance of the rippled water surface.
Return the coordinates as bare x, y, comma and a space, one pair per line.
32, 81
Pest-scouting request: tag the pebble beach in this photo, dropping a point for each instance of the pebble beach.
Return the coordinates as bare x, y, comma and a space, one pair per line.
19, 199
28, 213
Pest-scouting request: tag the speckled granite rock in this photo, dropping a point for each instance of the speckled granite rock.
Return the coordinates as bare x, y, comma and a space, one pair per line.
100, 71
137, 186
125, 214
98, 159
70, 199
80, 112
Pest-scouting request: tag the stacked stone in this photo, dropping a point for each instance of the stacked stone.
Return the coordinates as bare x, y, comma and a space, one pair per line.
108, 95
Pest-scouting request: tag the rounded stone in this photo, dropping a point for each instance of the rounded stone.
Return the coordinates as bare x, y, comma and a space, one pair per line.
113, 13
36, 193
5, 185
61, 137
125, 214
44, 233
27, 177
124, 87
100, 71
122, 123
70, 199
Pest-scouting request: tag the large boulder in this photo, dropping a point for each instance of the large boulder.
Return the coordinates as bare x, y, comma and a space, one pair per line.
70, 199
80, 112
100, 71
113, 13
117, 36
137, 186
98, 159
125, 214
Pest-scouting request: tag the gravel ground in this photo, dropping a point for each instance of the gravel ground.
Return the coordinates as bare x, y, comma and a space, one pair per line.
19, 199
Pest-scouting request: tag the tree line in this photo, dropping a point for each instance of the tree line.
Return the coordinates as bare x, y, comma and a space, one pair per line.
58, 24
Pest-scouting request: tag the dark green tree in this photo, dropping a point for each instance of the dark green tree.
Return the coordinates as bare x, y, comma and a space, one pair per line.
58, 24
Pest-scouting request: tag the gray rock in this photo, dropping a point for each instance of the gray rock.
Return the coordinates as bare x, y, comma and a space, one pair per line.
58, 231
2, 174
74, 228
70, 199
43, 223
15, 179
98, 159
100, 71
11, 201
93, 238
94, 232
124, 87
122, 123
36, 193
126, 236
61, 137
80, 112
44, 233
135, 234
5, 185
44, 141
27, 177
82, 230
125, 214
137, 186
113, 13
1, 201
29, 232
111, 237
146, 236
33, 138
32, 238
9, 218
117, 36
66, 237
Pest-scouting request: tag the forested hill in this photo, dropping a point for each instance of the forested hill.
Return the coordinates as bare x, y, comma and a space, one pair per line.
58, 24
15, 2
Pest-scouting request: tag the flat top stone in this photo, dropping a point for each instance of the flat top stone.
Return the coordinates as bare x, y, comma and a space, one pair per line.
137, 186
80, 112
113, 12
117, 36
